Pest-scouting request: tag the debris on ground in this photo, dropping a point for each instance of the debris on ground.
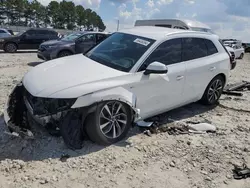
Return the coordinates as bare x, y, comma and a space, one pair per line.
179, 127
64, 157
233, 89
241, 173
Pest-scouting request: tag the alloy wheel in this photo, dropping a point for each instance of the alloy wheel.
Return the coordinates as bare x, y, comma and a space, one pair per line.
215, 91
113, 119
10, 47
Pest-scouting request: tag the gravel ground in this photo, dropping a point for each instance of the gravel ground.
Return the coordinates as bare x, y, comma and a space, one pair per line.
158, 160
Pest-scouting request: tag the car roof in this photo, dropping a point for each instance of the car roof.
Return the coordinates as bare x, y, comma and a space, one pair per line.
158, 33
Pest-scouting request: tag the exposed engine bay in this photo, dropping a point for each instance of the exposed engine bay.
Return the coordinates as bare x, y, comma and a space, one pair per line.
53, 114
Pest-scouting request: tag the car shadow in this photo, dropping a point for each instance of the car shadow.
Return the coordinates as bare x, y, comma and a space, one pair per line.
19, 52
33, 64
45, 146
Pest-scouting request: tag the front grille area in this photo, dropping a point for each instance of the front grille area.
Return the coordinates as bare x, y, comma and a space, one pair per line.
47, 106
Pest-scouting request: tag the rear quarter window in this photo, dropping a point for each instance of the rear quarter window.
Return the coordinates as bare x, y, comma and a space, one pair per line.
211, 48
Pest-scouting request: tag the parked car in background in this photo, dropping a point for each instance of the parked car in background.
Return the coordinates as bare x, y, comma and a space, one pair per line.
236, 45
246, 47
30, 39
78, 42
132, 75
4, 33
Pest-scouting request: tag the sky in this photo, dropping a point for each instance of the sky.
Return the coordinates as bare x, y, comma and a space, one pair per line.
228, 18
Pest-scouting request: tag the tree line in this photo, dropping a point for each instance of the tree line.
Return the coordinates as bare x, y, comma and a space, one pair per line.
58, 15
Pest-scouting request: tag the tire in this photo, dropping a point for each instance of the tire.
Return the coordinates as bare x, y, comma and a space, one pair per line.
64, 53
213, 91
10, 47
105, 135
241, 56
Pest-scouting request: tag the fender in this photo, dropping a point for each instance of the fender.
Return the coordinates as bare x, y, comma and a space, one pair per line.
117, 93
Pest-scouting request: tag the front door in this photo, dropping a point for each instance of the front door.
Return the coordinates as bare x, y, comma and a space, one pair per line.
84, 43
28, 40
157, 93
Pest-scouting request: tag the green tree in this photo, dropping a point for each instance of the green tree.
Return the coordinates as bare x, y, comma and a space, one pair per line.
80, 16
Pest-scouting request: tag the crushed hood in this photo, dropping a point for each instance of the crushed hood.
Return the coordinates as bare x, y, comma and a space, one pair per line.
63, 73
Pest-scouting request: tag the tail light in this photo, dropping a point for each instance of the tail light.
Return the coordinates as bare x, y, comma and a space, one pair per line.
231, 56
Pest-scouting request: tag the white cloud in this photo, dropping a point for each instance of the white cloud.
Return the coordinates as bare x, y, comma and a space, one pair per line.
150, 3
164, 2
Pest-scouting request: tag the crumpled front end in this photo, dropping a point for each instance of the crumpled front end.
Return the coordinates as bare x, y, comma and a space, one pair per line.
15, 112
22, 108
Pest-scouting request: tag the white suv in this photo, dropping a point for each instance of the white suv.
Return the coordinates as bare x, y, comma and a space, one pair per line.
134, 74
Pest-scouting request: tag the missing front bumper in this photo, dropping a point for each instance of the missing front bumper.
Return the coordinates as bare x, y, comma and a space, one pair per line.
19, 116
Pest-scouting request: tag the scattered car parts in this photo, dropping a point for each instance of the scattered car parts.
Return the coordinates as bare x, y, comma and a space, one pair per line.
234, 89
241, 172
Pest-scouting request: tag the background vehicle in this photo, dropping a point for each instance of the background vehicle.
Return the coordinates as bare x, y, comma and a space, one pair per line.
176, 24
132, 75
30, 39
78, 42
237, 47
4, 33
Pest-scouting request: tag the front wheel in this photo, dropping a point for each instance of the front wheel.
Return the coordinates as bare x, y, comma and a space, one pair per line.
241, 56
213, 91
64, 53
10, 47
109, 123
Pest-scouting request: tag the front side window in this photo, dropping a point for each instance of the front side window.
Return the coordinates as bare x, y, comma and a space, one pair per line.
71, 37
100, 38
193, 48
120, 51
87, 38
169, 52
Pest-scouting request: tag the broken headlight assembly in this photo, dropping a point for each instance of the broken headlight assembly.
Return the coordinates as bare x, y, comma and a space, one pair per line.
47, 106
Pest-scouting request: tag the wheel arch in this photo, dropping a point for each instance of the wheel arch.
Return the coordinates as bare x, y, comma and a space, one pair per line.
115, 94
64, 49
8, 42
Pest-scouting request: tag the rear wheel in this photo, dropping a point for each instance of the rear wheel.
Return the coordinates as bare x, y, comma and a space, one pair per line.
109, 123
241, 56
64, 53
213, 91
10, 47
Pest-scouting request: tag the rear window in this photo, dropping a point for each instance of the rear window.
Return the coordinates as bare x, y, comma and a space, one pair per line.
211, 49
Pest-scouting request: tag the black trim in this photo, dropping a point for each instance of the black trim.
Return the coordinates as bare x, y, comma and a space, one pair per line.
147, 72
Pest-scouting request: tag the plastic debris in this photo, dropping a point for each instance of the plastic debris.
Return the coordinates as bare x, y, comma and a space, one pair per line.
241, 173
202, 127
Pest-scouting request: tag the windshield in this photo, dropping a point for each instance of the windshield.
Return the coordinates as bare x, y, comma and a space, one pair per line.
120, 51
72, 37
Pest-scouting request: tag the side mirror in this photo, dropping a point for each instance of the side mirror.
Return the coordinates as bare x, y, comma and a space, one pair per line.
156, 68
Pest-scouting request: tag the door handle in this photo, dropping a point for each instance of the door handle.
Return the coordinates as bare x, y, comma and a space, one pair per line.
212, 68
179, 78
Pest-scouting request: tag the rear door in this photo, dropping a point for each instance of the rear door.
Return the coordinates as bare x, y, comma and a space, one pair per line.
199, 55
85, 42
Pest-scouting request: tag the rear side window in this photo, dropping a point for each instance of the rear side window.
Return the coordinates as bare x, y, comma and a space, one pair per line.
211, 49
193, 48
1, 31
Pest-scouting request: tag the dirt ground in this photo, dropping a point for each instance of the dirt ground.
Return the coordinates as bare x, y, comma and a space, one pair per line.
160, 160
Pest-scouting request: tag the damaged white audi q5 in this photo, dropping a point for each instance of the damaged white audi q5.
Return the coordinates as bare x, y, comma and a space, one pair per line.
134, 74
